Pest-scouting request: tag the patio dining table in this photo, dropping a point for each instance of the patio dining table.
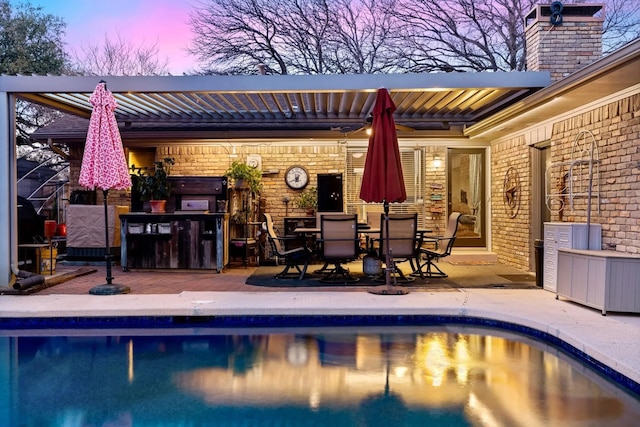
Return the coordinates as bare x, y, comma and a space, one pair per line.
424, 235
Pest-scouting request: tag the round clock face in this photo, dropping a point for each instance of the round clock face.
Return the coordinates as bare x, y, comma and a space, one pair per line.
296, 177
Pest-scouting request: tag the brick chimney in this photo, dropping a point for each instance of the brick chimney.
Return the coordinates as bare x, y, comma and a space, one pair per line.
563, 42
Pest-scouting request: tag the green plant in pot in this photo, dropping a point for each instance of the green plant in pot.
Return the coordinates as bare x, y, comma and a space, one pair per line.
307, 200
244, 175
153, 183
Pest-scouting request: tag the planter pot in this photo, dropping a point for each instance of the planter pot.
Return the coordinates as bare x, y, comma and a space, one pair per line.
371, 265
311, 212
158, 206
240, 184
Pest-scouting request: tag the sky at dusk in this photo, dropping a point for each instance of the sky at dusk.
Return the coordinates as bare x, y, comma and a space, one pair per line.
163, 22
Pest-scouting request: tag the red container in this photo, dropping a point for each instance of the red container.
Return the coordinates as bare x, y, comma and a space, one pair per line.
50, 227
61, 230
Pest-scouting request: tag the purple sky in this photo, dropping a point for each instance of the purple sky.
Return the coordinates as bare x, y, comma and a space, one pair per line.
163, 22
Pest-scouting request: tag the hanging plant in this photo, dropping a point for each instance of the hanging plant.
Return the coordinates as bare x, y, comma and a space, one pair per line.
239, 171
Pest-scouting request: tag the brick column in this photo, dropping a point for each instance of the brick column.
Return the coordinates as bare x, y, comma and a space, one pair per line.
565, 48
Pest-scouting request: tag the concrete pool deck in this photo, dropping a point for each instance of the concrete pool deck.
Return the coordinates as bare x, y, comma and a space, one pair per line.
612, 340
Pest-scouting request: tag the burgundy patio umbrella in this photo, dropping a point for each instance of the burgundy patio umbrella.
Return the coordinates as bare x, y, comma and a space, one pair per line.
382, 181
104, 166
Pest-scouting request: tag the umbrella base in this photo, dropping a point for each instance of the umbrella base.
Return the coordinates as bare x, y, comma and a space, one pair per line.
388, 290
109, 289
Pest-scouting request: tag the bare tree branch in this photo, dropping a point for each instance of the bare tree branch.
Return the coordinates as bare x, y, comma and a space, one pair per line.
120, 58
462, 35
369, 36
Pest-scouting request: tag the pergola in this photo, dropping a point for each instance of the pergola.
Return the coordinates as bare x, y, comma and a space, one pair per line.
446, 105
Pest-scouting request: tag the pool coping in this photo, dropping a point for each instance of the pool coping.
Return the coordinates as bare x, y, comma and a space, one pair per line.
607, 343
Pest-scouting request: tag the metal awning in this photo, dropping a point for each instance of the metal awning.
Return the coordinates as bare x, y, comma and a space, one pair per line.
319, 103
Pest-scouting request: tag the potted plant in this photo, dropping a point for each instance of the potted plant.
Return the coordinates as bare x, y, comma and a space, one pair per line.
153, 183
244, 175
307, 200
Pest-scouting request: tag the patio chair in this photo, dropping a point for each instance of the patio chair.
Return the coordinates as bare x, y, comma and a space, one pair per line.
297, 258
339, 244
440, 248
403, 241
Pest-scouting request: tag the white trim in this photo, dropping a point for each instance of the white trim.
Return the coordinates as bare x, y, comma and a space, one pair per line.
545, 127
273, 83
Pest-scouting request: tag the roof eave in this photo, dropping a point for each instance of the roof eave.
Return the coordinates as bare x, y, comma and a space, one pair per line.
624, 62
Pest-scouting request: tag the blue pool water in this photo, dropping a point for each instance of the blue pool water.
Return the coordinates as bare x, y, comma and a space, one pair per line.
316, 376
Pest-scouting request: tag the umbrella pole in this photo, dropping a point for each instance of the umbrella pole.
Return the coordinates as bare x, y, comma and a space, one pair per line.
390, 267
109, 288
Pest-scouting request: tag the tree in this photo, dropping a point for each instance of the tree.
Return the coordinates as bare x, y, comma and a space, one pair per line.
364, 34
291, 36
30, 43
621, 23
462, 35
369, 36
119, 58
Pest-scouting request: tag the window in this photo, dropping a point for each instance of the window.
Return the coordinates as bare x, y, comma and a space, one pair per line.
413, 171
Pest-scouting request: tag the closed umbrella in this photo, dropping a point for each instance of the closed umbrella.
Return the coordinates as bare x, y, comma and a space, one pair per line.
382, 181
104, 166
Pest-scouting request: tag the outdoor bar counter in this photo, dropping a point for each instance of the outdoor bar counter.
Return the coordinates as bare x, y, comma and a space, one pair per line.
174, 241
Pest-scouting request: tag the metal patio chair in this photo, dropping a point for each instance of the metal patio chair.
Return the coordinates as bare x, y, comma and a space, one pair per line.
339, 244
297, 258
403, 241
441, 247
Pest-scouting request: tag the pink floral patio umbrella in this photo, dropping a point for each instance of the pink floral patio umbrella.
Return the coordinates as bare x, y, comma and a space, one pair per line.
104, 166
382, 180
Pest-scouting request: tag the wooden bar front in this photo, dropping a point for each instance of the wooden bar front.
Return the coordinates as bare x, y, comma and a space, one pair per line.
174, 241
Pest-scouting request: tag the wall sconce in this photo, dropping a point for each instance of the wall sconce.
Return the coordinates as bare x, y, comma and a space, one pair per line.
437, 162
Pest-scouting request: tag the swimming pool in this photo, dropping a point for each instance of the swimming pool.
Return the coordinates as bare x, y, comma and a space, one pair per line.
454, 375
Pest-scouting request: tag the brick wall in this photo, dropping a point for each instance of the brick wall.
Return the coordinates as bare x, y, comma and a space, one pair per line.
616, 130
215, 160
511, 237
615, 127
436, 221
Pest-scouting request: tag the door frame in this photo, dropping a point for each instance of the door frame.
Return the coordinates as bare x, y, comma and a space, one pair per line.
461, 241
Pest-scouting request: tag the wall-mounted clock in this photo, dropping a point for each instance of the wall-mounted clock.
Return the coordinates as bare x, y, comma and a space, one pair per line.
296, 177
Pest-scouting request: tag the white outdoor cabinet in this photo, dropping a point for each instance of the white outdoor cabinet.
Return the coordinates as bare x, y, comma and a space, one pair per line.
565, 235
606, 280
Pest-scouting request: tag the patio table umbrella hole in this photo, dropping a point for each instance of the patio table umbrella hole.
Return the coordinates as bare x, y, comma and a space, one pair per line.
104, 166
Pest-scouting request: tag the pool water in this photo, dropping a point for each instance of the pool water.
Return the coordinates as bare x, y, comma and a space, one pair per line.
390, 376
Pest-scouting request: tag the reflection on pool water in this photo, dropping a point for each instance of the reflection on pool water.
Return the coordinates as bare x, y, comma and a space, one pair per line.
452, 376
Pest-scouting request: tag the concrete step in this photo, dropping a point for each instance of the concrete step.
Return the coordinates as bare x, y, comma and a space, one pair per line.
472, 254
